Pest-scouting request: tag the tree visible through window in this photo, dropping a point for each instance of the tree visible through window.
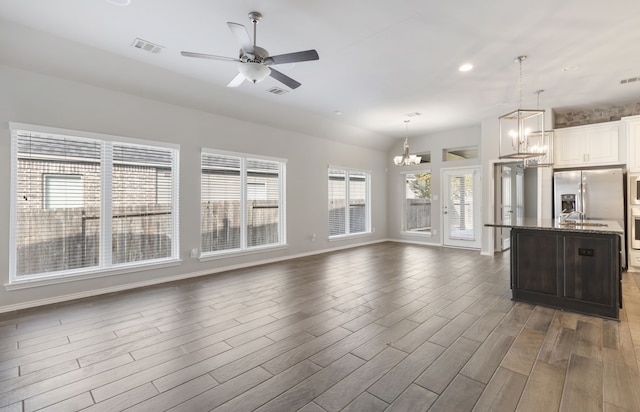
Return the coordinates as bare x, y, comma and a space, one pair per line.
417, 203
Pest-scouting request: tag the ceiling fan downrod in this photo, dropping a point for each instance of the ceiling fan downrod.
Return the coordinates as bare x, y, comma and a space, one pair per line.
255, 18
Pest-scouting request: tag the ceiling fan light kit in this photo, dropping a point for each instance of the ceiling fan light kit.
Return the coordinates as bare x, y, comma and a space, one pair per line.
254, 63
254, 72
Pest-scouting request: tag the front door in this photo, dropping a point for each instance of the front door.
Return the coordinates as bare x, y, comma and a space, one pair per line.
461, 208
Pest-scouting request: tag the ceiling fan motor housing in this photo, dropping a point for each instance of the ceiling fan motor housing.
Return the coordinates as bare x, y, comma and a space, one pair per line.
259, 55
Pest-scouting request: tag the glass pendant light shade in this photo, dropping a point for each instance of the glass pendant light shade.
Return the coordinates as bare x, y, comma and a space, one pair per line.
254, 72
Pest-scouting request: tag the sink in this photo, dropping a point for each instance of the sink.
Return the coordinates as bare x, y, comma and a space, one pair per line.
595, 224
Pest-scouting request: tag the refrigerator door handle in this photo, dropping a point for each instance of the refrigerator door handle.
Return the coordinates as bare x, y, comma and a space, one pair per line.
584, 204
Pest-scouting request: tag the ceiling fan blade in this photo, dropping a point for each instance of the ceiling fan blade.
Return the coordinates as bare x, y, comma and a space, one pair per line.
208, 56
301, 56
284, 79
237, 81
242, 36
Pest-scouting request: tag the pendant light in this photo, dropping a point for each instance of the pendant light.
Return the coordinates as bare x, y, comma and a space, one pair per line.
406, 159
541, 143
518, 128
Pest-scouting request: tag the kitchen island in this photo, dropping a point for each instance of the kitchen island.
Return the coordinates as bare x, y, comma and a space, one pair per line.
572, 265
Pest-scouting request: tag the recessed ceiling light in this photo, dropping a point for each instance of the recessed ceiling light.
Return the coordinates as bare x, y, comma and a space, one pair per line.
465, 67
569, 68
337, 112
120, 2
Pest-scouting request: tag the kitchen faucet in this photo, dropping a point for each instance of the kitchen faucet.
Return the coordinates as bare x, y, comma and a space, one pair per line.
564, 216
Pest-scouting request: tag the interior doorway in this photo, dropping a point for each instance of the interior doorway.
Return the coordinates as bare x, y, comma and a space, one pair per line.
510, 200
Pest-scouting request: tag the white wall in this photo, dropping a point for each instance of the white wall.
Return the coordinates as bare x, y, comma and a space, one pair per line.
434, 143
33, 98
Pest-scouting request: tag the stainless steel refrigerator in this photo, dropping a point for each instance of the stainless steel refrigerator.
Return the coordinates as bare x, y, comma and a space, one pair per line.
592, 193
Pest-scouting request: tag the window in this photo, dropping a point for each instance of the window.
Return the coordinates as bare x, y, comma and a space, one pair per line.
62, 191
88, 203
460, 153
417, 203
348, 202
242, 203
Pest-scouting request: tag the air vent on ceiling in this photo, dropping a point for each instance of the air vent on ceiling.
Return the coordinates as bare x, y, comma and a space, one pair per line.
414, 114
147, 46
629, 80
277, 90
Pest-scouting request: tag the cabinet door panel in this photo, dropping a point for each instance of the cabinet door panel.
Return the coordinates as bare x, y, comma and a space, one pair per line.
537, 263
569, 147
603, 145
633, 134
588, 269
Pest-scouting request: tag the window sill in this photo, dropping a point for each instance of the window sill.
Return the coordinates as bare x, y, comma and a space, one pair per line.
349, 236
417, 234
34, 282
235, 253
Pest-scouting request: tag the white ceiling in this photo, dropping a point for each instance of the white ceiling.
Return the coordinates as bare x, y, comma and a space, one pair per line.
379, 60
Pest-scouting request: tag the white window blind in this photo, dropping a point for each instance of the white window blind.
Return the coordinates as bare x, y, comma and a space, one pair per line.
348, 202
417, 202
220, 216
460, 211
55, 231
142, 228
63, 191
263, 214
337, 202
357, 202
242, 202
88, 204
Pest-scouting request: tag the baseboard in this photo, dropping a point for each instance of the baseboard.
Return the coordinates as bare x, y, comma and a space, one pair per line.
129, 286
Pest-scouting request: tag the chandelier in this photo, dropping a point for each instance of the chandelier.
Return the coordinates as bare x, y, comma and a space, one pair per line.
406, 159
541, 143
522, 134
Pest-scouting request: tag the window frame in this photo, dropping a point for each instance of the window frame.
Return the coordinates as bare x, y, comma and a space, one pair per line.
244, 191
105, 266
347, 216
403, 222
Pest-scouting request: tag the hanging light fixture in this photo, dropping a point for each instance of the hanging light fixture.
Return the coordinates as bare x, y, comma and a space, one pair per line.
406, 159
540, 143
518, 128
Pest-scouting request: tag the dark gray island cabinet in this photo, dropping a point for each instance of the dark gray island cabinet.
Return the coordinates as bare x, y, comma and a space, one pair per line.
570, 267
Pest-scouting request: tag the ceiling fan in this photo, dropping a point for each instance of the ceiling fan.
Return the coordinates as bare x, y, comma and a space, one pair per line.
254, 63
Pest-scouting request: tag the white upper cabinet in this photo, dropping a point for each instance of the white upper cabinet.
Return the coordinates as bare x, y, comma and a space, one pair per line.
590, 145
633, 137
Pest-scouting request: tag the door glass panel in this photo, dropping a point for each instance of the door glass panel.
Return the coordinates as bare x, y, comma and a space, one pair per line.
460, 210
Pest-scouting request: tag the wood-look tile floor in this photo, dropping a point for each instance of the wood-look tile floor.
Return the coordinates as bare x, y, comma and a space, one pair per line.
389, 326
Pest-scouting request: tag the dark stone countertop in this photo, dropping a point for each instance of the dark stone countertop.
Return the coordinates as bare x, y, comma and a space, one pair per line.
586, 226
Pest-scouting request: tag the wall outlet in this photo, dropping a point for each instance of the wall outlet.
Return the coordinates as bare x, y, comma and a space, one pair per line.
194, 252
313, 237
